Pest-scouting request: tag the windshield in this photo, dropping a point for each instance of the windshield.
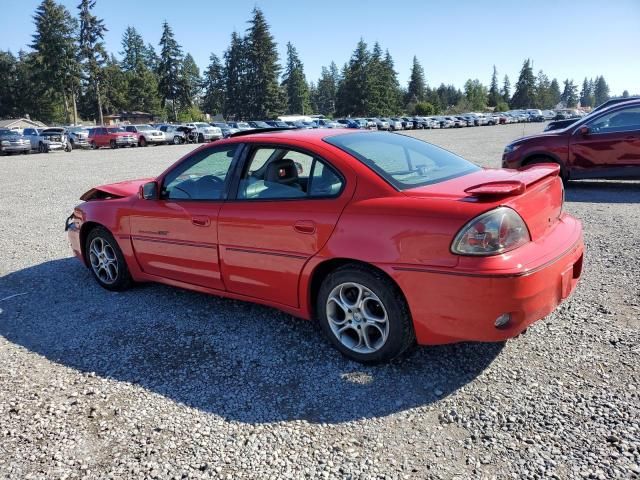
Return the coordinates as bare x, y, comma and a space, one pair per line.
142, 127
115, 130
261, 124
403, 161
202, 125
243, 125
6, 131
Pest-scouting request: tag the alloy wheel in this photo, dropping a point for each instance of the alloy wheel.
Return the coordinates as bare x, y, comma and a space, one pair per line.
104, 261
357, 317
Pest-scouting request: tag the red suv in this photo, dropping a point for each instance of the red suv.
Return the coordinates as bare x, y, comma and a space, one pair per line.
113, 137
604, 144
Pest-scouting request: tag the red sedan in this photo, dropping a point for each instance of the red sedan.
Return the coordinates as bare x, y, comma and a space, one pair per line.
384, 239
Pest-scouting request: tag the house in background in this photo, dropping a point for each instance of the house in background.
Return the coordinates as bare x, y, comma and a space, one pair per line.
128, 118
19, 124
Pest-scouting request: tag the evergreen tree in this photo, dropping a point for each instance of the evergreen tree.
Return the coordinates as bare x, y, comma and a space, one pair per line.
543, 98
133, 50
554, 93
416, 89
295, 83
570, 94
235, 79
92, 54
352, 98
326, 90
494, 92
213, 87
625, 94
9, 86
169, 85
476, 94
391, 92
506, 90
114, 86
190, 82
586, 94
524, 95
151, 58
55, 70
601, 91
264, 95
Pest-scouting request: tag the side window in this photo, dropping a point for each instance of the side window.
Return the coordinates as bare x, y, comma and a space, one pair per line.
202, 177
618, 121
280, 173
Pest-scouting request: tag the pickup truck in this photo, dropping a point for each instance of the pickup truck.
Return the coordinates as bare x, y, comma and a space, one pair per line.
45, 140
146, 134
206, 133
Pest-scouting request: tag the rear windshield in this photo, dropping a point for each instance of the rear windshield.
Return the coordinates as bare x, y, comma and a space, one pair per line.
403, 161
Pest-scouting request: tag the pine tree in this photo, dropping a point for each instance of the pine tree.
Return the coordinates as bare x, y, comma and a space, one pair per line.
133, 50
9, 86
524, 95
190, 83
392, 94
554, 93
570, 94
169, 70
114, 86
295, 83
625, 94
264, 95
151, 58
506, 90
54, 64
235, 79
352, 98
586, 94
543, 92
417, 84
213, 87
600, 91
494, 93
93, 56
326, 90
476, 94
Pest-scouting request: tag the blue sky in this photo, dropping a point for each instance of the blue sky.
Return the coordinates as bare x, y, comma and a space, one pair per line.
453, 40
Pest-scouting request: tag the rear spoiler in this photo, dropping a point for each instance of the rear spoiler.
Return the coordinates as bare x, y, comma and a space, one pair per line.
517, 184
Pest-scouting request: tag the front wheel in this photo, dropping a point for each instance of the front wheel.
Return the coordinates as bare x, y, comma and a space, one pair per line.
200, 138
113, 144
364, 315
106, 260
143, 142
177, 140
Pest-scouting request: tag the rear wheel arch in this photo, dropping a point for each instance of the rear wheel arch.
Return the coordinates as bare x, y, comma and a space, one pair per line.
322, 270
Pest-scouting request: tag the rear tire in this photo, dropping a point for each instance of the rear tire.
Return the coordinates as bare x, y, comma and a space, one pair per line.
200, 138
364, 315
112, 144
177, 140
106, 261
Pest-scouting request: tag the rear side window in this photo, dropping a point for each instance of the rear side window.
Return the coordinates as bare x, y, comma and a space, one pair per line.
403, 161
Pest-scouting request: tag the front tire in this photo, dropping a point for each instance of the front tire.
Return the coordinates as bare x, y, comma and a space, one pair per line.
364, 315
143, 142
177, 140
106, 261
113, 144
200, 138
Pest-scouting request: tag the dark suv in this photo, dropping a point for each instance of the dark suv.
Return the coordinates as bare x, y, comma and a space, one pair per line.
606, 144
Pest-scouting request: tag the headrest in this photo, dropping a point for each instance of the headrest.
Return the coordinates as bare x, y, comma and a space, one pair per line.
282, 171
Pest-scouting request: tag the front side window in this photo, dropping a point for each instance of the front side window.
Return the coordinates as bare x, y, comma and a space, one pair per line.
281, 173
403, 161
619, 121
202, 177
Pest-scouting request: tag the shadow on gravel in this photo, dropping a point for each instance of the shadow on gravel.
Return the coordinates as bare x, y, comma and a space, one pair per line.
590, 191
238, 360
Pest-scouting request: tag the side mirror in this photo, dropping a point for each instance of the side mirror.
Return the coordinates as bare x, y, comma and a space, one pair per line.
149, 191
584, 130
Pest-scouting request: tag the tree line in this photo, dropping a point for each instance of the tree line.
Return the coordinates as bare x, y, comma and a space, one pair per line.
68, 75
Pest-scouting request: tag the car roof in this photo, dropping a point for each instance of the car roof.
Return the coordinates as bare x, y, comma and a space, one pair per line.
297, 134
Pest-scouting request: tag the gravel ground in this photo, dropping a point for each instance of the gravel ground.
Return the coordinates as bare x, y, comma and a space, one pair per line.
163, 383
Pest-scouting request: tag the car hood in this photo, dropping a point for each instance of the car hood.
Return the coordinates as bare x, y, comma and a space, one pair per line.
550, 133
115, 190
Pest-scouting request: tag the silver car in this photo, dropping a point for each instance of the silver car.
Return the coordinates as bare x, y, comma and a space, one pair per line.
146, 134
205, 132
78, 137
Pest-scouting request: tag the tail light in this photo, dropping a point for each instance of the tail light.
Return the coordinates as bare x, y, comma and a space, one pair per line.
492, 233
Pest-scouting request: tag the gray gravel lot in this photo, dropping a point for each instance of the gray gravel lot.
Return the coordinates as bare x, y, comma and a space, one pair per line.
163, 383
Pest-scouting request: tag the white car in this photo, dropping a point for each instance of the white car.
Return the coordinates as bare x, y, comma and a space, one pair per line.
78, 137
173, 134
146, 134
206, 132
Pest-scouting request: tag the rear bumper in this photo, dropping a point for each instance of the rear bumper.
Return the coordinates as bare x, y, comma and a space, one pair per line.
452, 306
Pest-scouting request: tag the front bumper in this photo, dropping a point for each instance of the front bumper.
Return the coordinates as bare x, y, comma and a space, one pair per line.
155, 139
453, 306
126, 141
15, 148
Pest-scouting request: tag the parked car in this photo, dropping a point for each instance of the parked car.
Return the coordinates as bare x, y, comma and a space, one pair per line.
13, 142
568, 119
456, 122
300, 124
112, 137
407, 123
45, 140
603, 145
147, 134
78, 137
320, 224
326, 123
278, 124
258, 124
472, 119
173, 134
394, 123
379, 123
205, 132
225, 128
242, 126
